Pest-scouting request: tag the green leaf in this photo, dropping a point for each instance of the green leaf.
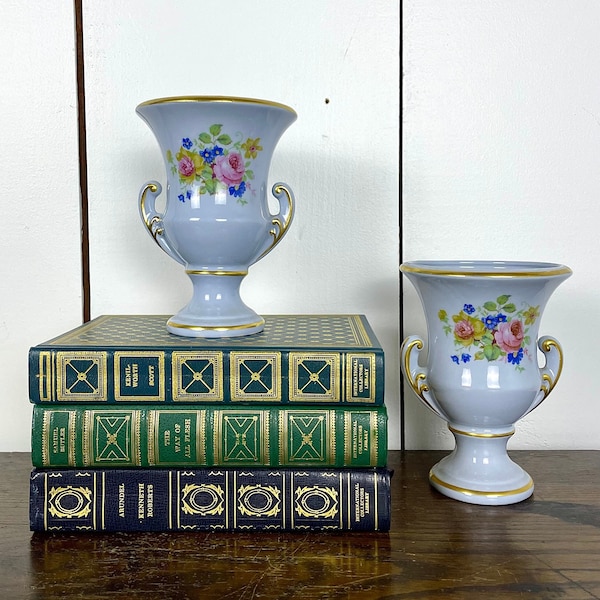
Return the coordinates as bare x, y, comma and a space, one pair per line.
215, 129
487, 338
479, 356
250, 174
489, 305
502, 299
169, 156
211, 186
205, 138
510, 308
224, 139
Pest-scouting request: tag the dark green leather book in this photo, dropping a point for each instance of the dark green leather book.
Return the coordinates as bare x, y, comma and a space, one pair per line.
215, 435
212, 500
297, 359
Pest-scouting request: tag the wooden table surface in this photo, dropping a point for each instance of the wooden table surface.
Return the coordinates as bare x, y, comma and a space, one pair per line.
546, 547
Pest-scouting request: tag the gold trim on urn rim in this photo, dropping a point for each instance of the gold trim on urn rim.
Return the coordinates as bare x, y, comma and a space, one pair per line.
543, 270
216, 327
224, 99
488, 494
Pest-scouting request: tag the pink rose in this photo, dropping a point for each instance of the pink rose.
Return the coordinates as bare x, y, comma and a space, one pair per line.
229, 169
186, 166
510, 336
464, 330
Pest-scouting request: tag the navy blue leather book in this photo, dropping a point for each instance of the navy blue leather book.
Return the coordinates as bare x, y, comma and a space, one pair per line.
210, 499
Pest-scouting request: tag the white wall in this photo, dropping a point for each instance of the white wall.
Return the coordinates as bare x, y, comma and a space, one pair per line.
40, 266
341, 158
501, 132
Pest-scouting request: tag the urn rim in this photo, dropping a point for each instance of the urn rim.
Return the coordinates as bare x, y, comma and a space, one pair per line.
485, 268
213, 100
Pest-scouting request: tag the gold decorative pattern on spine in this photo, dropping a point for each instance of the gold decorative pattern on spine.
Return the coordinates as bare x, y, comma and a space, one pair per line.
547, 382
201, 438
87, 437
45, 437
488, 494
72, 437
331, 448
374, 438
153, 436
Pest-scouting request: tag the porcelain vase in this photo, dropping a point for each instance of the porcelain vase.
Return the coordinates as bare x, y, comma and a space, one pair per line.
482, 372
217, 222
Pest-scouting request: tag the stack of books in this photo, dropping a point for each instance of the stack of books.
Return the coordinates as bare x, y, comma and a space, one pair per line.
136, 429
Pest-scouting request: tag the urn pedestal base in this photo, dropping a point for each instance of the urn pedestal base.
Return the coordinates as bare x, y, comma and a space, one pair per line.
479, 470
216, 309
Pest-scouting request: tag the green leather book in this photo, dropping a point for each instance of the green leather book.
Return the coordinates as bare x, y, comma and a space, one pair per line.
196, 436
297, 359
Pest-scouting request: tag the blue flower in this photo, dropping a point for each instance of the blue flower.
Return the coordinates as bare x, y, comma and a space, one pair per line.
208, 155
188, 194
515, 357
465, 358
217, 151
239, 191
490, 322
469, 309
501, 318
455, 359
186, 143
181, 197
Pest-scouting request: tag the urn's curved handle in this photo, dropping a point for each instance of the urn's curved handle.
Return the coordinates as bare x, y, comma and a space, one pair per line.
283, 219
153, 220
417, 375
550, 371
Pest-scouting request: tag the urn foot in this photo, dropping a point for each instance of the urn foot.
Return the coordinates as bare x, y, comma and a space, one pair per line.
479, 470
216, 309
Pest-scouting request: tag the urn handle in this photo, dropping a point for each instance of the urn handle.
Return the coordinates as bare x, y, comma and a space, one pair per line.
153, 220
283, 219
417, 375
551, 371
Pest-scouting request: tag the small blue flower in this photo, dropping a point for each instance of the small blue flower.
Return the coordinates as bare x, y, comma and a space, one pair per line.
455, 359
186, 143
516, 357
208, 155
501, 318
217, 151
465, 358
181, 197
239, 191
188, 194
490, 322
469, 309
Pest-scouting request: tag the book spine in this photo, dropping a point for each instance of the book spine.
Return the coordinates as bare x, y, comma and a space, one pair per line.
177, 376
205, 499
99, 436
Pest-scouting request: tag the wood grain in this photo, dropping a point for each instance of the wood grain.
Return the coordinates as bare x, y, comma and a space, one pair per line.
546, 547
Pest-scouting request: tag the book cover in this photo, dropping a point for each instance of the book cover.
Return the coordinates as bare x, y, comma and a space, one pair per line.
172, 436
206, 499
297, 359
